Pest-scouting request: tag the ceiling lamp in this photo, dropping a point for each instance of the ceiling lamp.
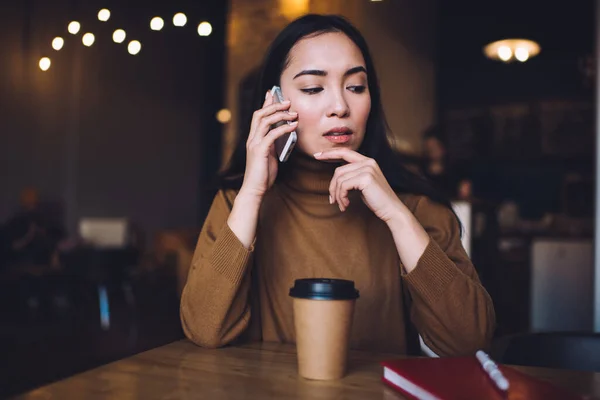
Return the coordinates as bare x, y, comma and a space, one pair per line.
508, 50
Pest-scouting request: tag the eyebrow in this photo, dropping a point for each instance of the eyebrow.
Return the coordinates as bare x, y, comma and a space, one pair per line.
319, 72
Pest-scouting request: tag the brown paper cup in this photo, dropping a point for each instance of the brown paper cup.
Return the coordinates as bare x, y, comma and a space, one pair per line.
323, 323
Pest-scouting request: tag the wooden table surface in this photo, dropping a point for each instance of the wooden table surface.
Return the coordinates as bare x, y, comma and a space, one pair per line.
182, 370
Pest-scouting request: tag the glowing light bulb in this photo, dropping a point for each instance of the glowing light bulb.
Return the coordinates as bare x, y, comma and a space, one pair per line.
504, 53
522, 54
134, 47
88, 39
74, 27
224, 116
119, 36
179, 19
103, 15
204, 29
45, 63
157, 23
58, 43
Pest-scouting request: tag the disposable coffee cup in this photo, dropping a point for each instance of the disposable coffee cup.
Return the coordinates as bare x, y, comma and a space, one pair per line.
323, 312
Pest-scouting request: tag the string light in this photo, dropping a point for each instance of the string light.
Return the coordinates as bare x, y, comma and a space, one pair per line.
134, 47
119, 36
103, 15
74, 27
58, 43
179, 19
157, 23
88, 39
204, 29
45, 63
224, 116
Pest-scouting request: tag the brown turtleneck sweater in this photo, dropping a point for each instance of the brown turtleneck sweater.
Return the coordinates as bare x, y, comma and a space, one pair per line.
232, 290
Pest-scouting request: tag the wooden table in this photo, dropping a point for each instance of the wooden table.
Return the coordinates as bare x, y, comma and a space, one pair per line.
182, 370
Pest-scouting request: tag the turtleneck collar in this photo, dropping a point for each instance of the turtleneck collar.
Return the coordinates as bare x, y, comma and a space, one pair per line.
305, 174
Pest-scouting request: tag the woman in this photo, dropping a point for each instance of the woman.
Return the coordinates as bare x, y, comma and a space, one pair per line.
341, 207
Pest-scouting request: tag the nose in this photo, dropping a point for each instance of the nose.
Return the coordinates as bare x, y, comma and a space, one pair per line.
338, 105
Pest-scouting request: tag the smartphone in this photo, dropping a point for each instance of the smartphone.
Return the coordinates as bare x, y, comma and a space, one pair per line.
284, 144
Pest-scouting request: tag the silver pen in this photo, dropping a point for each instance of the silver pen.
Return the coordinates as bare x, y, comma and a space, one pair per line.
492, 370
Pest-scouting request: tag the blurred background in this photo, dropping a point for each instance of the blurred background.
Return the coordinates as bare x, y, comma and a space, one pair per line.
115, 117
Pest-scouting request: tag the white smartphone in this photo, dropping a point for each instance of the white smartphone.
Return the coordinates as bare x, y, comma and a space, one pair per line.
284, 144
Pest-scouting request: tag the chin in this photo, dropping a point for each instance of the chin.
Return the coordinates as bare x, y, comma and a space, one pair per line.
326, 145
350, 146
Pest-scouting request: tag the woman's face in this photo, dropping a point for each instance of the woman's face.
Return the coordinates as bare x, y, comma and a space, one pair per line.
326, 83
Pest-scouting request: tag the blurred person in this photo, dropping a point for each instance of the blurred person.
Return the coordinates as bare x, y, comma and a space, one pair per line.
437, 169
30, 238
342, 206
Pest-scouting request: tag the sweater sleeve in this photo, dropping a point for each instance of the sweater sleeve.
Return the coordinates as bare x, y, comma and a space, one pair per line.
450, 308
215, 308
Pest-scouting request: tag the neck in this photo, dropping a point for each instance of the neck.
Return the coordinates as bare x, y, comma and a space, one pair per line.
303, 173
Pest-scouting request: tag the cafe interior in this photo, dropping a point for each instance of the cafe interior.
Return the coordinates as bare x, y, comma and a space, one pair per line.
116, 117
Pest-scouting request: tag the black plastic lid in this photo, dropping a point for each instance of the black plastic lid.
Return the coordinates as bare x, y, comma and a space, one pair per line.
324, 289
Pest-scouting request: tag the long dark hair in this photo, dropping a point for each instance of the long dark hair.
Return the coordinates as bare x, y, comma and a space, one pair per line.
375, 144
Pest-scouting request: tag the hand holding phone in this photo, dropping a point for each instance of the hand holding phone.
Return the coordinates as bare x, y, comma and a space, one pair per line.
284, 144
261, 158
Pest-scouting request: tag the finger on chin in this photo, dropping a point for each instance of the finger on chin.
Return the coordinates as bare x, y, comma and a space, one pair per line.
342, 154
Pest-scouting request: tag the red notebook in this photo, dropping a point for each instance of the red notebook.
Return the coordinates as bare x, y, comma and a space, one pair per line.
463, 378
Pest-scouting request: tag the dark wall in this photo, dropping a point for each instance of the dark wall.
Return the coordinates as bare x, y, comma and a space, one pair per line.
519, 131
565, 32
110, 134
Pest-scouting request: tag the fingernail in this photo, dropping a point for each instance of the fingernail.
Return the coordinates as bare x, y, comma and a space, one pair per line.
293, 112
293, 122
285, 102
330, 200
341, 208
267, 95
317, 154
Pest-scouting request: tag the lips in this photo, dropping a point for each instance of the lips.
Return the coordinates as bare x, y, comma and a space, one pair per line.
340, 131
339, 135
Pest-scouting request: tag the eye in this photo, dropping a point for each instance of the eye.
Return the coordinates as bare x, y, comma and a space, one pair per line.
357, 89
314, 90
